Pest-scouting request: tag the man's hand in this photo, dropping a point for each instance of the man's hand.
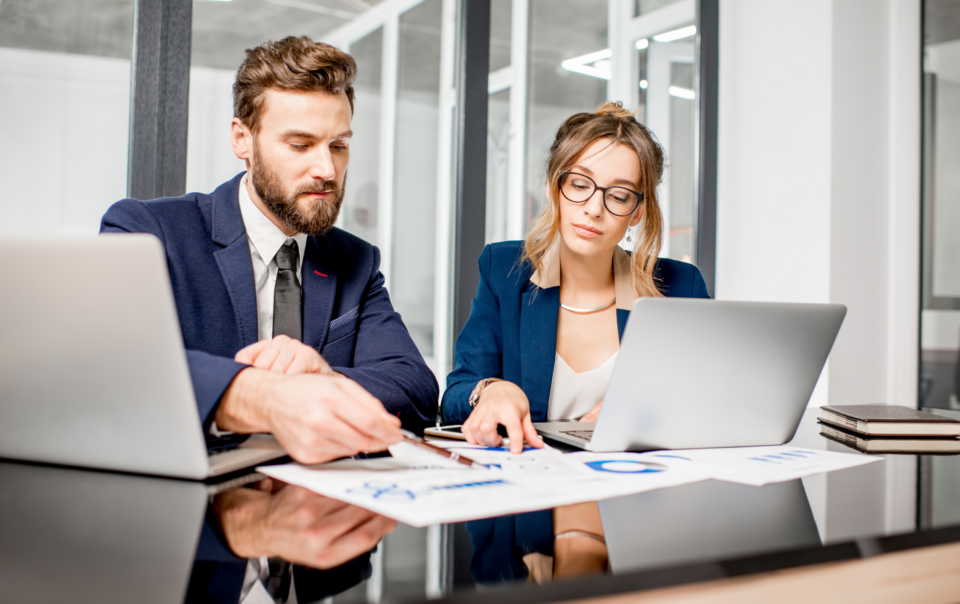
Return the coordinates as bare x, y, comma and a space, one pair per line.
594, 414
283, 354
297, 525
316, 418
501, 404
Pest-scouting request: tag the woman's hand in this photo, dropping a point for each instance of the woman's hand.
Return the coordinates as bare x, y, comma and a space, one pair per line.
593, 414
501, 404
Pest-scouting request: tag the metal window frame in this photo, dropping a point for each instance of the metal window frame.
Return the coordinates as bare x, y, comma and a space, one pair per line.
708, 95
471, 182
624, 29
159, 98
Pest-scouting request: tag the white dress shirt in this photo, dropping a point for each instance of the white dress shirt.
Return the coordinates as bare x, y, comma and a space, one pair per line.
265, 240
572, 394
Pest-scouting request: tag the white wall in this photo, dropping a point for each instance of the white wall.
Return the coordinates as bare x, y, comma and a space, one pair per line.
210, 158
63, 139
819, 190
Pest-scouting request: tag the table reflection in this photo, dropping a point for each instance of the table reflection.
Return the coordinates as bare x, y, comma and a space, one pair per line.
77, 536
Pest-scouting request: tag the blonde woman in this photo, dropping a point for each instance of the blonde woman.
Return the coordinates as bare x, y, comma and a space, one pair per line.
544, 331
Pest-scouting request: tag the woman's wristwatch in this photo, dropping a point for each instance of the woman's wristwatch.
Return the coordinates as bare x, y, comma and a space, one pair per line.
478, 389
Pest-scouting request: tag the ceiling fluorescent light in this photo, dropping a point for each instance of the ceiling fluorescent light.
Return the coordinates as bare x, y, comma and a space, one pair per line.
595, 64
683, 93
642, 43
676, 34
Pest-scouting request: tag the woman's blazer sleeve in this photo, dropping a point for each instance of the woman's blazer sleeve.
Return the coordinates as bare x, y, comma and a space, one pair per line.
479, 349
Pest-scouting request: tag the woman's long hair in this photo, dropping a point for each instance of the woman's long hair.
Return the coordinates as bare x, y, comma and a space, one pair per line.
610, 121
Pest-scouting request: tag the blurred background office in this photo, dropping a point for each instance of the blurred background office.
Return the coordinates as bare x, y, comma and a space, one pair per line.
813, 148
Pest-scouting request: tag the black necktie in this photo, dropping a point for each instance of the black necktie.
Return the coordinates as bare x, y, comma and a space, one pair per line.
278, 583
287, 311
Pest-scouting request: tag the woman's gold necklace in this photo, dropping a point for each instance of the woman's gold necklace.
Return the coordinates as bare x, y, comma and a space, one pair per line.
584, 311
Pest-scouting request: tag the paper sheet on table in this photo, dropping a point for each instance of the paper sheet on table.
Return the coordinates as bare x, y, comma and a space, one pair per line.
424, 489
758, 466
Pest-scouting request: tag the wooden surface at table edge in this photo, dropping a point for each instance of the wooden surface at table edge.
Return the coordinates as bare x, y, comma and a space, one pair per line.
930, 575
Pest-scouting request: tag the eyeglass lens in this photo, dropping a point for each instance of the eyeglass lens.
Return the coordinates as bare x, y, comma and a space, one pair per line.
579, 188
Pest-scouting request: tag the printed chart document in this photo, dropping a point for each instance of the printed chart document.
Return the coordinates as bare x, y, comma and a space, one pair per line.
420, 488
758, 466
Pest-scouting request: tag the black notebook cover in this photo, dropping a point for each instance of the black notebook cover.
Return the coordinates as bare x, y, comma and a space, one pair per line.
888, 413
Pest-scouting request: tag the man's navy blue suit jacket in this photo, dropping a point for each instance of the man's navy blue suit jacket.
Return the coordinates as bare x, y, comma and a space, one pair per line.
347, 315
511, 332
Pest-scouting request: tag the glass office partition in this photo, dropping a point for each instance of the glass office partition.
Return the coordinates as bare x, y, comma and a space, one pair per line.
413, 264
65, 84
940, 314
562, 32
667, 105
498, 121
360, 213
222, 31
498, 165
567, 61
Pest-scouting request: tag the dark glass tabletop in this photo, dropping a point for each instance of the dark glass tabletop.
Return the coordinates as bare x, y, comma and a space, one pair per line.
77, 535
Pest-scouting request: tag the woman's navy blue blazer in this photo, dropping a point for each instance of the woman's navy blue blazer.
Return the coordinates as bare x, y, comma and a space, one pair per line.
512, 329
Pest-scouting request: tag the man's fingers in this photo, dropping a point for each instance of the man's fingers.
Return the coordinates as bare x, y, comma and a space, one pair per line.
285, 358
360, 395
249, 354
267, 356
308, 360
371, 425
530, 432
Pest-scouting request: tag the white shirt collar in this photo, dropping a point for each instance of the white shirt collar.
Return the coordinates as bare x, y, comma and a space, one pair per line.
549, 274
266, 237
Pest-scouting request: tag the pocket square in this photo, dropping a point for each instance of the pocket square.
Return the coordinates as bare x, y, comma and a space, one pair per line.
346, 318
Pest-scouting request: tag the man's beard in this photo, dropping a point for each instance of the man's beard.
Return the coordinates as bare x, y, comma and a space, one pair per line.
316, 219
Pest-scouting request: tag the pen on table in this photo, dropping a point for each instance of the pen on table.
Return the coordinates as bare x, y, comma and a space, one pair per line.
417, 441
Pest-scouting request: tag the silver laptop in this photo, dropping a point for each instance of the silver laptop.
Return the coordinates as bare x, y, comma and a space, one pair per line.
92, 366
706, 373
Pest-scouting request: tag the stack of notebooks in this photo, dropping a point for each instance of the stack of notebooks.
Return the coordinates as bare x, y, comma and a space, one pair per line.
890, 429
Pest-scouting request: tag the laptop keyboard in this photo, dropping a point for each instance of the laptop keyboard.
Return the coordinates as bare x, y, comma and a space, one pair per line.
581, 434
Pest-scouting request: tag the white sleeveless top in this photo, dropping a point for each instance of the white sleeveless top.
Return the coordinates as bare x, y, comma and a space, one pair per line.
572, 394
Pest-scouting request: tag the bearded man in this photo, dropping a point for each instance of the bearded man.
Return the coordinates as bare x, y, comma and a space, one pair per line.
287, 324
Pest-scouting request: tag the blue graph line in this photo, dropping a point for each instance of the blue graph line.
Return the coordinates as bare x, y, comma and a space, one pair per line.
388, 491
392, 491
467, 485
640, 468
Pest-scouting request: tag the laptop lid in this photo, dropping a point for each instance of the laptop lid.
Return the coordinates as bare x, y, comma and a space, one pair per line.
707, 373
92, 367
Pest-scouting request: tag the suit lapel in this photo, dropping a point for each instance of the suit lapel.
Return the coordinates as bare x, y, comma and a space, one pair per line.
622, 316
234, 262
539, 311
319, 282
236, 268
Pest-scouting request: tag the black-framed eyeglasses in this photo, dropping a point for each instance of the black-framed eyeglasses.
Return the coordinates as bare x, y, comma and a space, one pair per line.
619, 201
